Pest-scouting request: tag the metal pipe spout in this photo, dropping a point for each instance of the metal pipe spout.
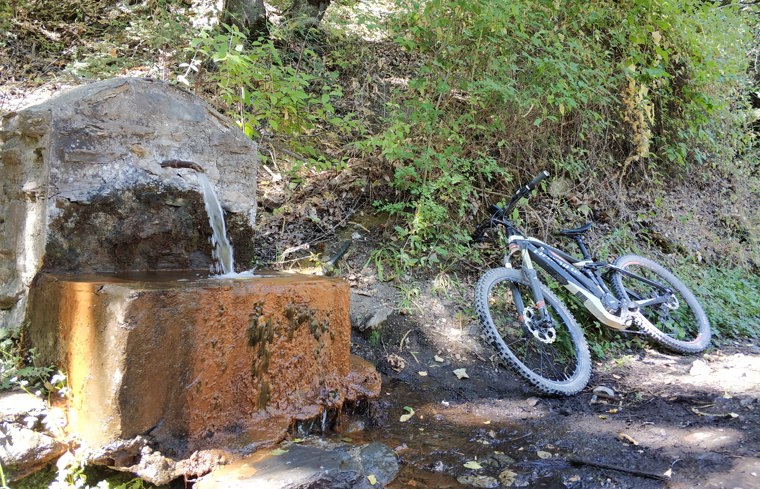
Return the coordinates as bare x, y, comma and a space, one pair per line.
182, 164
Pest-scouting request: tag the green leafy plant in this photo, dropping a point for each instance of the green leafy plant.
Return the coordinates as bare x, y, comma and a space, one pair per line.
729, 297
641, 87
17, 369
272, 92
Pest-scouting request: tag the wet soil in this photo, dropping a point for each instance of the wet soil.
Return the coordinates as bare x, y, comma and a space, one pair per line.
673, 421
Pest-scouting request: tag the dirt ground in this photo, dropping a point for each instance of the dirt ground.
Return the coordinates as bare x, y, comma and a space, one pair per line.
672, 422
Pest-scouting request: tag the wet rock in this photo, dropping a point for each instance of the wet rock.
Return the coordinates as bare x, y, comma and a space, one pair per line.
239, 359
367, 313
507, 477
483, 481
364, 381
380, 461
303, 466
498, 460
83, 188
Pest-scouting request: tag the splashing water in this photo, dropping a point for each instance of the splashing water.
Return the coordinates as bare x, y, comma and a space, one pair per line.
222, 249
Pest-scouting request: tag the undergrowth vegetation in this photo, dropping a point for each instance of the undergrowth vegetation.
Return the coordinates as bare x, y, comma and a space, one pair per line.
448, 104
619, 93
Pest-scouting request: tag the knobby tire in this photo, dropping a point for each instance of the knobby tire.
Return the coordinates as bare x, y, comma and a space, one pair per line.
683, 329
559, 367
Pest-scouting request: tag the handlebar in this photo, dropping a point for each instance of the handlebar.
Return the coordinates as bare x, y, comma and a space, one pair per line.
498, 213
538, 178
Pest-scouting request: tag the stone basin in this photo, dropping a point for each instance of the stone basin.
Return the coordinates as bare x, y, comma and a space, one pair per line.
196, 362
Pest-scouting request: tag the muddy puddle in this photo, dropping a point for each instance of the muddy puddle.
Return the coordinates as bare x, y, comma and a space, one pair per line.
674, 422
454, 444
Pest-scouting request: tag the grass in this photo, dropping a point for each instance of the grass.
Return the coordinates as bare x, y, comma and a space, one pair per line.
729, 298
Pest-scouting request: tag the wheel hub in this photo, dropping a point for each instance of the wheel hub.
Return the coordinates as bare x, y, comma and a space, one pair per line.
543, 331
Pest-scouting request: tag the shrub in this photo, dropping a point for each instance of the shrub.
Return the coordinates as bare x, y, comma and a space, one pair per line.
595, 88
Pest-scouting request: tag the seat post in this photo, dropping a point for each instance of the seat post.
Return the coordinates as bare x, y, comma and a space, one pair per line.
582, 246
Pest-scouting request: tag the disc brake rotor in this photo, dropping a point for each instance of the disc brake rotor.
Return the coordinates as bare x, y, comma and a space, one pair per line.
545, 333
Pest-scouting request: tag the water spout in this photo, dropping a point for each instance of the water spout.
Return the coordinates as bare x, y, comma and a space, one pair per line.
182, 164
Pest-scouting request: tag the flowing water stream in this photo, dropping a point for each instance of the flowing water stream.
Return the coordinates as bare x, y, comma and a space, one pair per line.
222, 249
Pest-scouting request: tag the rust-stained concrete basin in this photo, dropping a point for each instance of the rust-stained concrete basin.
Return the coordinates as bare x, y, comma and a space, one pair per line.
196, 362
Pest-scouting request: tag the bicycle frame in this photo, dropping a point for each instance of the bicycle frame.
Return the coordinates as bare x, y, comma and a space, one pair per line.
582, 278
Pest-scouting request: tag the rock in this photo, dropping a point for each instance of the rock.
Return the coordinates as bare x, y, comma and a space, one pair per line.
196, 364
507, 477
23, 451
17, 405
483, 481
379, 460
301, 466
699, 367
83, 189
367, 313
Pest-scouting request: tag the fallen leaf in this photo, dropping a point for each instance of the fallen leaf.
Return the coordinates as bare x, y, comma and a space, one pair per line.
372, 479
543, 455
668, 473
461, 373
472, 464
423, 373
412, 483
438, 359
613, 411
628, 438
409, 413
278, 451
714, 415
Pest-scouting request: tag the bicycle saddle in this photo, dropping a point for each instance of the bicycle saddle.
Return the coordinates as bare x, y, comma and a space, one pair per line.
576, 231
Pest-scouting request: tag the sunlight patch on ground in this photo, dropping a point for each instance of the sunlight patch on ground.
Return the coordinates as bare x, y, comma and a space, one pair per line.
734, 374
367, 18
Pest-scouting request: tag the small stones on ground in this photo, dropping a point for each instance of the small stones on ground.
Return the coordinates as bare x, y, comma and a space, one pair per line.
699, 367
507, 477
482, 481
544, 455
396, 362
604, 392
532, 401
461, 373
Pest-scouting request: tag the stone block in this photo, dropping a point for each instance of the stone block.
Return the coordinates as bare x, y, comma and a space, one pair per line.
196, 362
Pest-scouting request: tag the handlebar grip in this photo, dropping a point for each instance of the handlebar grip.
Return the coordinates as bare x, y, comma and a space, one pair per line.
532, 184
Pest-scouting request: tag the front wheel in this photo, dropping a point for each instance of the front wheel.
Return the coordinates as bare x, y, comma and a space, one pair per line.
674, 317
551, 354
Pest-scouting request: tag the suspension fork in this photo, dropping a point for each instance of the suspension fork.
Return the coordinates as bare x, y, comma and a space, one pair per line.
530, 275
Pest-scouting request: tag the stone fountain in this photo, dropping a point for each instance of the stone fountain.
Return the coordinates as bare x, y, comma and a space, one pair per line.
105, 257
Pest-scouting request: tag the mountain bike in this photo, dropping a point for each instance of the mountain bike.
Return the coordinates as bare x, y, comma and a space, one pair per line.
536, 335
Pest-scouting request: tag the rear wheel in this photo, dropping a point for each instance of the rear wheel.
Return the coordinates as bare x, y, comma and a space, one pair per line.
553, 354
678, 322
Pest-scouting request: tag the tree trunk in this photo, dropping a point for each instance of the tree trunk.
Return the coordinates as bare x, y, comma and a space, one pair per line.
249, 15
307, 12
